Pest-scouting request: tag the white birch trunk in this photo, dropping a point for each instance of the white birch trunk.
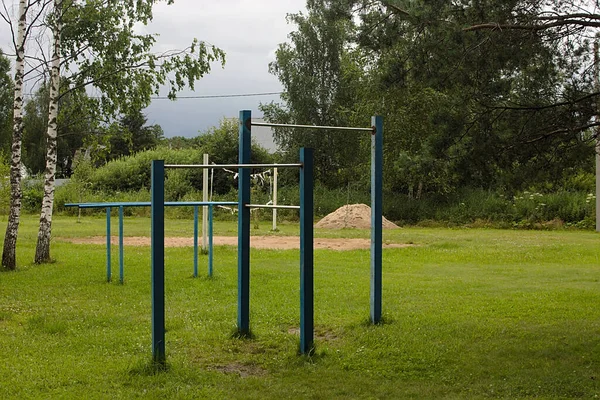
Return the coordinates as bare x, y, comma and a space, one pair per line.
9, 251
42, 250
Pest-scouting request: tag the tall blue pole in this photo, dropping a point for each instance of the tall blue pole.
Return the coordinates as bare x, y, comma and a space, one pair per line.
121, 262
306, 252
108, 261
244, 224
376, 216
158, 260
195, 241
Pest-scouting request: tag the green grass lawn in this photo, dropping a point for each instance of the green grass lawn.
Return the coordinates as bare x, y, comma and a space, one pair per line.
469, 313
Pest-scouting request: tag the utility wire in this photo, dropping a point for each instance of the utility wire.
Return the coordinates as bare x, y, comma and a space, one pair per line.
219, 96
208, 96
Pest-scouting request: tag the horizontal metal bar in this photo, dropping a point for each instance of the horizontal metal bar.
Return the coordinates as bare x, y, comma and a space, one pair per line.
148, 204
222, 166
272, 206
338, 128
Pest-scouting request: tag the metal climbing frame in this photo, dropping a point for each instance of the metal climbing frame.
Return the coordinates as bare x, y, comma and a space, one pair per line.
306, 244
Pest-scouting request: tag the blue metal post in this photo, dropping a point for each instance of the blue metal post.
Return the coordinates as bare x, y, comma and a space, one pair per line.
244, 224
306, 252
376, 216
195, 241
210, 240
158, 260
121, 267
108, 261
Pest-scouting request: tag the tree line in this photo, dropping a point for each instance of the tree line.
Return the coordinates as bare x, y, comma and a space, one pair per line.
489, 94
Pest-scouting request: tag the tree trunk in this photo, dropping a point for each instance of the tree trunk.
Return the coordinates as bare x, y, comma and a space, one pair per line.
9, 251
42, 250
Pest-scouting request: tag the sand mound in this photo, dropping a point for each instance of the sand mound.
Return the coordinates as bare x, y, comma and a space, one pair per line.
351, 216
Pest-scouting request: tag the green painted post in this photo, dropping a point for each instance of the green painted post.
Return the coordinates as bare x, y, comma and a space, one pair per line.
158, 260
108, 261
195, 241
376, 216
306, 252
244, 224
121, 256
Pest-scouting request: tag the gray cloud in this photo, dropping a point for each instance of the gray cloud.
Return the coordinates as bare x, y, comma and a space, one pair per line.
248, 31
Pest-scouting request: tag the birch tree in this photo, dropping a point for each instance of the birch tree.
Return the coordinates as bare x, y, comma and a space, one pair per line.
6, 107
96, 46
9, 256
42, 250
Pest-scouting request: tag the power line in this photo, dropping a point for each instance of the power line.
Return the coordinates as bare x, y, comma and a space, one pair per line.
219, 96
208, 96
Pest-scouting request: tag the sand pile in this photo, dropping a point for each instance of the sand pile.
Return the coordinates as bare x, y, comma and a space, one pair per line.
351, 216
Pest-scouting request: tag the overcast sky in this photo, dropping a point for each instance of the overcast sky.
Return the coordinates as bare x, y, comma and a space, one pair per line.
249, 32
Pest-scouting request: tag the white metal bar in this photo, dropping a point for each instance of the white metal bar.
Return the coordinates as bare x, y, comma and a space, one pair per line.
223, 166
338, 128
272, 206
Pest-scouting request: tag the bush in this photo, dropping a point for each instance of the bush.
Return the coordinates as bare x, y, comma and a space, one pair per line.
4, 185
33, 193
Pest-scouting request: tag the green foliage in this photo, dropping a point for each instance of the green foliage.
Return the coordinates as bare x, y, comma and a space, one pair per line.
523, 210
6, 104
76, 121
131, 135
118, 60
321, 79
33, 192
4, 184
132, 173
498, 109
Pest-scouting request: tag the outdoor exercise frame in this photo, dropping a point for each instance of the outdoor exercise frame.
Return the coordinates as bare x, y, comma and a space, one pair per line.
120, 205
376, 131
244, 205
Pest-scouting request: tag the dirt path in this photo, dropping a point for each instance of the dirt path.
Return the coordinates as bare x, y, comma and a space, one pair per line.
258, 242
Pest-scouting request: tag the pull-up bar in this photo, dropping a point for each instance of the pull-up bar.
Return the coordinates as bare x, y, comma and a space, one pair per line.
376, 131
225, 166
337, 128
306, 245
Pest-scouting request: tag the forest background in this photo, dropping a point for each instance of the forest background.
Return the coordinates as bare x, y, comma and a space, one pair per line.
489, 117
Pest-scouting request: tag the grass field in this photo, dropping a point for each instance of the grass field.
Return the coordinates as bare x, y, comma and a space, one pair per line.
469, 313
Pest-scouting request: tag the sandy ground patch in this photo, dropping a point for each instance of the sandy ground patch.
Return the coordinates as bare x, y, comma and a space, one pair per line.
257, 242
352, 216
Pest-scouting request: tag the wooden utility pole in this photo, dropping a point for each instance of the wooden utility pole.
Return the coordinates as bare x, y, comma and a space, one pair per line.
597, 84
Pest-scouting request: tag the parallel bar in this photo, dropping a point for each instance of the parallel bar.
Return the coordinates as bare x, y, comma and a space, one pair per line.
306, 253
273, 206
210, 240
158, 261
376, 218
242, 165
108, 261
339, 128
121, 257
195, 241
148, 204
244, 224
